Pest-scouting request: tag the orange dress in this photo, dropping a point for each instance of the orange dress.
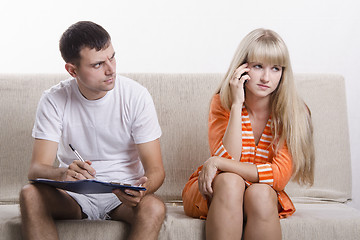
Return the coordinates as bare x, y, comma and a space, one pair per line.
273, 169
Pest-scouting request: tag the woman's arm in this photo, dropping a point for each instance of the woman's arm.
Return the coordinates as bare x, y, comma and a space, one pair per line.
232, 139
247, 171
225, 128
278, 171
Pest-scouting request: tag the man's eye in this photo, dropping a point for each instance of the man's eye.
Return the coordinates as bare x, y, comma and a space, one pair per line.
113, 57
97, 65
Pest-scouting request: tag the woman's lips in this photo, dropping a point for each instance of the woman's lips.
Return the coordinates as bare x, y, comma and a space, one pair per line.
263, 87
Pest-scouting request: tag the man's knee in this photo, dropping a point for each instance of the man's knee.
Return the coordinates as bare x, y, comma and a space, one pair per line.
151, 207
28, 194
30, 200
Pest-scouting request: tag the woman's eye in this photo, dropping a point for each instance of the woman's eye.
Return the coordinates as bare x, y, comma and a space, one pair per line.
276, 69
257, 66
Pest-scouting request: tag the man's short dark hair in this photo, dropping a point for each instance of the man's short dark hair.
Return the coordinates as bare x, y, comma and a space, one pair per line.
79, 35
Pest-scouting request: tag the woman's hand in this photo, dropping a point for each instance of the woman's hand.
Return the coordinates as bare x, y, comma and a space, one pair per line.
206, 177
237, 84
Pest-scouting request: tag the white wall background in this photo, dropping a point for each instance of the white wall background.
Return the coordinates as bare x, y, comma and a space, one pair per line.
193, 36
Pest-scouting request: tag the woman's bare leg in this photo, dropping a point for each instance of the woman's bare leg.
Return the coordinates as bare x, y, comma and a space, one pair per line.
225, 216
261, 211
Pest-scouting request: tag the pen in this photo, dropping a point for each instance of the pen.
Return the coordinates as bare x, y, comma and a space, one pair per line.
76, 153
79, 157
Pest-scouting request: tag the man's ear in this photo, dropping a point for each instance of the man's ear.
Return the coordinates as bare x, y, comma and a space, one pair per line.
71, 69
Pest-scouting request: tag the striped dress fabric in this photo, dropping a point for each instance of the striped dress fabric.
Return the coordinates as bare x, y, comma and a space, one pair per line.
273, 169
250, 152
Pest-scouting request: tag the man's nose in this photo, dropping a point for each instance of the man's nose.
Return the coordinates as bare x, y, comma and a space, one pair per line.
110, 67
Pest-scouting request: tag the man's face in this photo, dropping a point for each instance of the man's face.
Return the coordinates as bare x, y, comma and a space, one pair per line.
96, 72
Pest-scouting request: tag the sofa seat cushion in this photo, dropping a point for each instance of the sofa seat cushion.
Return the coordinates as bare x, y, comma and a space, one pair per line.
176, 226
322, 221
10, 227
310, 221
10, 222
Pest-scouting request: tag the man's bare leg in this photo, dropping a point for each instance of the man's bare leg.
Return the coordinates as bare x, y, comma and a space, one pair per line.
40, 205
145, 219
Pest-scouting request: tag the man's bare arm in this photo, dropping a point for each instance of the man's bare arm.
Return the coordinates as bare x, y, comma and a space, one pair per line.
42, 161
150, 155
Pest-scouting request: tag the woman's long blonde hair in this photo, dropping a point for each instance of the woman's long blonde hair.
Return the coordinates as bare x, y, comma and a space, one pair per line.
291, 118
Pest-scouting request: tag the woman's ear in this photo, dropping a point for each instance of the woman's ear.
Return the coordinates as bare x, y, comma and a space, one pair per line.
71, 69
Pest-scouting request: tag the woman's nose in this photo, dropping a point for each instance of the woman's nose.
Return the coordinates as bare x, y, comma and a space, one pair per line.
265, 75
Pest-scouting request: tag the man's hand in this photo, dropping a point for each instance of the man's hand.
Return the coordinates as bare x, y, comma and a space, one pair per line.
79, 170
130, 197
150, 156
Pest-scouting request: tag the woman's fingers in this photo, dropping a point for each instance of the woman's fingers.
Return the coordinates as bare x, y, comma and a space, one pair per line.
202, 186
241, 71
206, 177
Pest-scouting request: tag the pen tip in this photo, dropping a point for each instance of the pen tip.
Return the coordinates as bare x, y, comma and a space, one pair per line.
71, 147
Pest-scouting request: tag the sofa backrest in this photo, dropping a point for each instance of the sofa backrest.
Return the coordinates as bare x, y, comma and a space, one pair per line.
182, 102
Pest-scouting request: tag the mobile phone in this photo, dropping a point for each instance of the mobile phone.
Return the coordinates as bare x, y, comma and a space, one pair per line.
245, 73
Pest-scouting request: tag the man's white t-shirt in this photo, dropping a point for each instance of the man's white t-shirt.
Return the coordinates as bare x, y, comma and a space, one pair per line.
104, 131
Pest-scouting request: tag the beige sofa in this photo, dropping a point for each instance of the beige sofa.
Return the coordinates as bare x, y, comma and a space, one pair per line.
182, 102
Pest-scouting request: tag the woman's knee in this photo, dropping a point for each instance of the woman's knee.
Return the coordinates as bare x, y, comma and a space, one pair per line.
229, 180
261, 200
229, 186
263, 190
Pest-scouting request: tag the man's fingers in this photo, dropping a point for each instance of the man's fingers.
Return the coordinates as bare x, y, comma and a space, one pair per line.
128, 200
72, 175
83, 168
141, 181
86, 165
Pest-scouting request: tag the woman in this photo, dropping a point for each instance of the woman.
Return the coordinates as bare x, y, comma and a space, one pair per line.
260, 136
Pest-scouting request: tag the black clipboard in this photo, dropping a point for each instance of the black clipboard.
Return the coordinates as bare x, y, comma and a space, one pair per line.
88, 186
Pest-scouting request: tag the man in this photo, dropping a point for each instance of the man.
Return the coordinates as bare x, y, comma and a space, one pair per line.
111, 120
